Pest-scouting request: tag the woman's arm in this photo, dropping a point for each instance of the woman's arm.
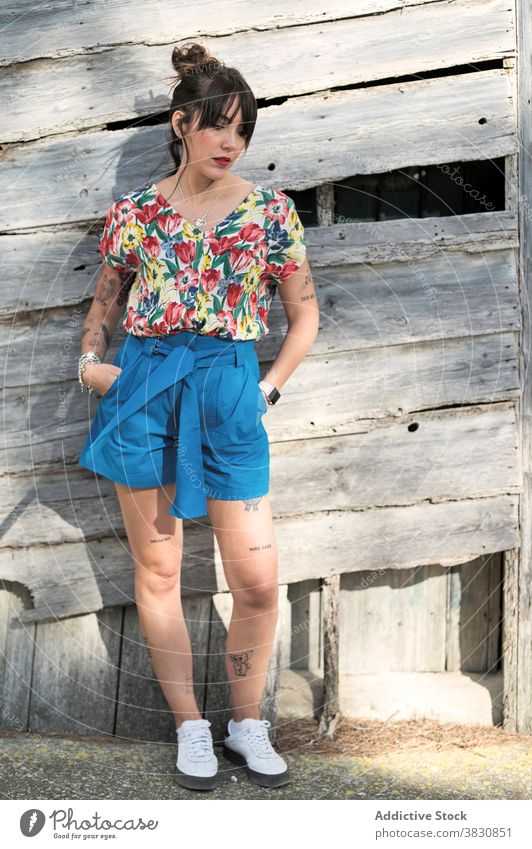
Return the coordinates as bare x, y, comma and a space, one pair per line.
110, 297
300, 304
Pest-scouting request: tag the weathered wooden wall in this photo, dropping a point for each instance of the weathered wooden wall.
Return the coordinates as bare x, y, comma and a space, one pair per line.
407, 448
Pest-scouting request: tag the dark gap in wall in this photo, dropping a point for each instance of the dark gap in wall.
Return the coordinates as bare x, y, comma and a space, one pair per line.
422, 191
155, 119
430, 74
306, 203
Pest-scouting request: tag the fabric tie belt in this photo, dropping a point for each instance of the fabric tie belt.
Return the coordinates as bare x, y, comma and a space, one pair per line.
182, 353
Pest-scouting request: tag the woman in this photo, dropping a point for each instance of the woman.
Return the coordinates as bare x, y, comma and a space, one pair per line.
197, 258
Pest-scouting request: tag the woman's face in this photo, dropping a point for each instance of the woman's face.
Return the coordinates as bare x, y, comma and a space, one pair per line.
225, 141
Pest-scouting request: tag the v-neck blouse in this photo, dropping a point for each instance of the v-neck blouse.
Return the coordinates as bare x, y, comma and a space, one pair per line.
217, 282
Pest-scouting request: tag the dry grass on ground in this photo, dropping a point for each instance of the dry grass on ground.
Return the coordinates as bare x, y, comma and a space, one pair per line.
352, 737
374, 737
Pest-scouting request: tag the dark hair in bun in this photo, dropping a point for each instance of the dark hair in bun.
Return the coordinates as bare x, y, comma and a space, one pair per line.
206, 89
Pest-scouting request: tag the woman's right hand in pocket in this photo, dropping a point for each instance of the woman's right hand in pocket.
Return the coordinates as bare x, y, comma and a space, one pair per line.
100, 376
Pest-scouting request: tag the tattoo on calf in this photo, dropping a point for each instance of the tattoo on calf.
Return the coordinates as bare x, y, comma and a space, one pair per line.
163, 539
241, 662
146, 643
259, 547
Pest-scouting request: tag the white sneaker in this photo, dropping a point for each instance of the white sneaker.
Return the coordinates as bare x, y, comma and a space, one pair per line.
248, 745
196, 765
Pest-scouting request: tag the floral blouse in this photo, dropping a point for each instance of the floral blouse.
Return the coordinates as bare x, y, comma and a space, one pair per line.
218, 282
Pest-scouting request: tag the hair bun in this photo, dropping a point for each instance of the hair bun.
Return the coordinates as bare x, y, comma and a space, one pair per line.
189, 57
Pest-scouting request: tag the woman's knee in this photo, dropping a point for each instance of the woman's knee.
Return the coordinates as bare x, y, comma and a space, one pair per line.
263, 597
158, 573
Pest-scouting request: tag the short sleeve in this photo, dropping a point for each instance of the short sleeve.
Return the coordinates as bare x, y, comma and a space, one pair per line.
114, 246
286, 242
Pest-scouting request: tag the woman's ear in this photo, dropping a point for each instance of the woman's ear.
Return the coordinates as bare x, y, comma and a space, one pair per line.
176, 118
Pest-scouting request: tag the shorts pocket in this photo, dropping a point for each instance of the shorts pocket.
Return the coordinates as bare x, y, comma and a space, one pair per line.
239, 405
124, 355
263, 404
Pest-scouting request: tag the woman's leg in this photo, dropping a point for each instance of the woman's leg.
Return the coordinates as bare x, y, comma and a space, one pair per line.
156, 543
245, 535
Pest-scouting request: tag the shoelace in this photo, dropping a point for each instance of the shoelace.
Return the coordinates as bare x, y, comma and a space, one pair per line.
258, 737
198, 741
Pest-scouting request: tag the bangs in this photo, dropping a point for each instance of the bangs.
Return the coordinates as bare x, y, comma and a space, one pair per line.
222, 102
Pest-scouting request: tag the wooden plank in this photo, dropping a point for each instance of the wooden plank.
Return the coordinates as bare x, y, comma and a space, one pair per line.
330, 588
95, 574
269, 702
393, 621
436, 455
511, 599
522, 717
218, 692
142, 712
64, 30
386, 46
474, 623
306, 625
310, 140
468, 699
348, 390
312, 545
75, 674
17, 648
448, 297
68, 259
354, 387
394, 537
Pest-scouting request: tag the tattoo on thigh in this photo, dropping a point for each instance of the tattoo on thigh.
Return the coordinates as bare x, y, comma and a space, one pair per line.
241, 662
163, 539
252, 503
259, 547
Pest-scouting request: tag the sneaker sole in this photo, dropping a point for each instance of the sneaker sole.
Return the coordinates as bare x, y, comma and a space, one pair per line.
263, 779
195, 782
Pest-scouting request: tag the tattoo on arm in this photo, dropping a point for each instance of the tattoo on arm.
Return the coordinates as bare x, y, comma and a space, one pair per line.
113, 284
241, 662
112, 291
125, 286
307, 282
105, 331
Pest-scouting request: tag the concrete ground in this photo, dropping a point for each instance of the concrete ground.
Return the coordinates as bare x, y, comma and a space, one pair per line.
38, 767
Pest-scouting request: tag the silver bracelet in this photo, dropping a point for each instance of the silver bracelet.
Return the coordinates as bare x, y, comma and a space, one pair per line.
88, 356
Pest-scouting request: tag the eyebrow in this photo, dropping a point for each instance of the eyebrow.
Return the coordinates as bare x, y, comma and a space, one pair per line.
226, 117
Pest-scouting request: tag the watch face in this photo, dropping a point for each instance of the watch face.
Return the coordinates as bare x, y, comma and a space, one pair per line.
274, 395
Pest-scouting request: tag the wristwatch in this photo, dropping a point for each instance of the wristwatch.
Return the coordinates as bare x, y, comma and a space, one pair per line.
271, 391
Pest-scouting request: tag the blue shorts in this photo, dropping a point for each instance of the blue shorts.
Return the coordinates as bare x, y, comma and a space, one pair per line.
185, 409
